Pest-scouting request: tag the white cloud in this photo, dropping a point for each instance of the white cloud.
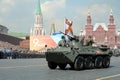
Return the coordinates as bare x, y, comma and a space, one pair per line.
51, 7
96, 9
51, 10
5, 5
10, 2
100, 9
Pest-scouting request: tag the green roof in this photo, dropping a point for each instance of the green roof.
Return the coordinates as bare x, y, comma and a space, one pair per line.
18, 34
38, 9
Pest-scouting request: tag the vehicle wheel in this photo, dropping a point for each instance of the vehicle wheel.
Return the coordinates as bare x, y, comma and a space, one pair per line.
52, 65
72, 66
62, 66
78, 64
106, 62
88, 63
98, 62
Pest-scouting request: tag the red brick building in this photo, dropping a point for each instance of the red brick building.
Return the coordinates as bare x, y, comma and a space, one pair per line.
102, 33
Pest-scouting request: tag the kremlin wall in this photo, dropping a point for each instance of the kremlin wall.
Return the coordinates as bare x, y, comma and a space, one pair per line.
100, 32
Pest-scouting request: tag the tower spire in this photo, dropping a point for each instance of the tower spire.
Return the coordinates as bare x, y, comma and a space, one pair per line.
38, 8
88, 12
52, 29
111, 19
88, 18
38, 25
111, 12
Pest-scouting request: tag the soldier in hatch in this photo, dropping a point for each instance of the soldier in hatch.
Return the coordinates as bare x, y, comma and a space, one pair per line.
89, 41
81, 41
62, 42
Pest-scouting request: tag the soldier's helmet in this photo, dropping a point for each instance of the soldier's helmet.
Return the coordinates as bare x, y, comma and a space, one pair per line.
63, 37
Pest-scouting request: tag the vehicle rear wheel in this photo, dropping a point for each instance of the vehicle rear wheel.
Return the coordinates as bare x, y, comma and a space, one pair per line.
62, 66
98, 62
88, 63
78, 64
52, 65
106, 62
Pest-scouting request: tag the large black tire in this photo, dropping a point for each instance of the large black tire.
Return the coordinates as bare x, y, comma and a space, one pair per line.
79, 63
62, 66
98, 62
88, 63
52, 65
72, 66
106, 62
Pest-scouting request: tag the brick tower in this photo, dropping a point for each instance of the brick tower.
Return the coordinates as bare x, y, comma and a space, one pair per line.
111, 30
88, 26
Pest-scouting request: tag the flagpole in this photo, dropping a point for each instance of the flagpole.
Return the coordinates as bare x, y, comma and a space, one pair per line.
64, 23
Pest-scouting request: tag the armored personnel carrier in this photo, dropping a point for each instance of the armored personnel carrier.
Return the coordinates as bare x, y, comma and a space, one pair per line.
78, 56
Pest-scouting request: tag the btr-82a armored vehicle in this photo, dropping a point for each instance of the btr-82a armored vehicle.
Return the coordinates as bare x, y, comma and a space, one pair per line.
78, 56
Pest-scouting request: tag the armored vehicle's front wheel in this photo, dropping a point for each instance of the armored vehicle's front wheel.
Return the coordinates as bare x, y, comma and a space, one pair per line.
62, 66
52, 65
106, 62
79, 62
98, 62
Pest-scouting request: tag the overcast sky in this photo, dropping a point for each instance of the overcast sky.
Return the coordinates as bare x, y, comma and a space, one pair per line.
18, 15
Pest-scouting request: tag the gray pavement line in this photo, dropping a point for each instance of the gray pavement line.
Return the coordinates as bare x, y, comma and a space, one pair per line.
108, 77
12, 67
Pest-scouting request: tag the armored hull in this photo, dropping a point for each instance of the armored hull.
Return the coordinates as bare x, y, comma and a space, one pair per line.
84, 57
